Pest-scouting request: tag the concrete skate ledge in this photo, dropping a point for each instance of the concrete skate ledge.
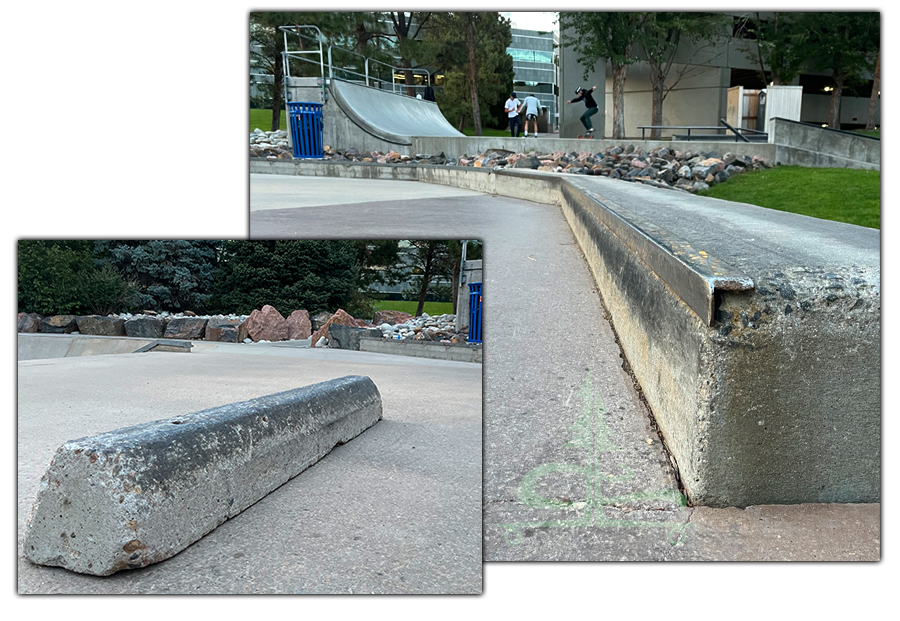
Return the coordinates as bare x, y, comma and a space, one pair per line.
139, 495
759, 355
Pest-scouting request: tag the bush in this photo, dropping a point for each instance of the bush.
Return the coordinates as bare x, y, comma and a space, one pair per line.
48, 272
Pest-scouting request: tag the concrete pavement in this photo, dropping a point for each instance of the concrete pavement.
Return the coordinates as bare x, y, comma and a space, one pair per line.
573, 469
396, 510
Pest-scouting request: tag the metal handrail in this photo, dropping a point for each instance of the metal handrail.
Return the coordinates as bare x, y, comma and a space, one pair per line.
287, 54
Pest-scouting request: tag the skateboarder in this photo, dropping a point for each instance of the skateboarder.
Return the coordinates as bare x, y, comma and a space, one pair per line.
512, 109
589, 103
532, 108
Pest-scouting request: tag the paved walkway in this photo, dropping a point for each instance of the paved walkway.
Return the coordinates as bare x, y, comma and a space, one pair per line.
572, 469
395, 510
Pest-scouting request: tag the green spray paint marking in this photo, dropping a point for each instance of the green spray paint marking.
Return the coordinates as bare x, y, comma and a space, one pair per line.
592, 433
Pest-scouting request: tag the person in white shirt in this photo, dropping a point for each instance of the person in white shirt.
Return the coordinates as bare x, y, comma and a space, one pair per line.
512, 109
532, 108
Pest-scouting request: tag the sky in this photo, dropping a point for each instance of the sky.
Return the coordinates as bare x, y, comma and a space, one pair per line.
533, 20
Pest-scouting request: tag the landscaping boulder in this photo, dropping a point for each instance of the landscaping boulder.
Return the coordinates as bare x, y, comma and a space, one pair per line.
59, 324
341, 317
347, 337
145, 327
186, 328
28, 322
226, 330
267, 325
391, 317
320, 320
98, 325
299, 325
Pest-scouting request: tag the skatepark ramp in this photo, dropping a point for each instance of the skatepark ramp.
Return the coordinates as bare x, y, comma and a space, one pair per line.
135, 496
368, 118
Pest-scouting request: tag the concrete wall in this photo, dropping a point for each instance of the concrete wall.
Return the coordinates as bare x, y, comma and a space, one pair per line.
423, 349
571, 76
798, 144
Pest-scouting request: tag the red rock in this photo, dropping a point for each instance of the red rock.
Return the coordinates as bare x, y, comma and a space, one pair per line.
341, 317
267, 325
390, 317
299, 325
28, 322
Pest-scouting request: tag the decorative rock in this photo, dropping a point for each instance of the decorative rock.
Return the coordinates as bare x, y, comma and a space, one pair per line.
226, 330
28, 322
98, 325
267, 325
347, 337
299, 325
186, 328
320, 320
59, 324
341, 317
391, 317
145, 327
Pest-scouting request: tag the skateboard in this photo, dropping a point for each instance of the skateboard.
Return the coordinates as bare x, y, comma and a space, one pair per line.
588, 136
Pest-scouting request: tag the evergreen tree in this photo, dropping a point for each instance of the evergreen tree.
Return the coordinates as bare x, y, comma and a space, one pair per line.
463, 45
170, 274
287, 274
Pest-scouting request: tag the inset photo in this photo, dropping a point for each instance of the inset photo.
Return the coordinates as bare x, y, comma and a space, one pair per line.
239, 417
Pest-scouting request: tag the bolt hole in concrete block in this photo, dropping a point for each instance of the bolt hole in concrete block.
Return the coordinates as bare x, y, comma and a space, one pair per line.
141, 494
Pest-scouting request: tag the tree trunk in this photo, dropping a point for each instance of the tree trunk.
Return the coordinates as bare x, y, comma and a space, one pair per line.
409, 78
277, 84
834, 109
873, 100
426, 278
470, 43
658, 82
454, 286
619, 72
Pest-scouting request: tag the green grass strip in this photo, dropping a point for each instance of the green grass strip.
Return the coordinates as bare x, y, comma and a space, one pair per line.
839, 194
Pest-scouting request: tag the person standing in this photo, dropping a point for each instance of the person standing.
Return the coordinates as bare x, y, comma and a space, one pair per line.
512, 109
532, 108
589, 103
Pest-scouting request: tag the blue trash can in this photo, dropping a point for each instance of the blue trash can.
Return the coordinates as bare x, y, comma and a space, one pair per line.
475, 302
305, 119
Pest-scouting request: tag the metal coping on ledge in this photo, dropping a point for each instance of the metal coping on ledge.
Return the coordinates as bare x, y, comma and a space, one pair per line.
166, 343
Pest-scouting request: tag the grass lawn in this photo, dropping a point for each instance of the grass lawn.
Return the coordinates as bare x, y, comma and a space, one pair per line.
263, 120
486, 131
873, 134
839, 194
432, 308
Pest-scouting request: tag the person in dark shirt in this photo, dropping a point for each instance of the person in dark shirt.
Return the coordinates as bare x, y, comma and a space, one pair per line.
589, 103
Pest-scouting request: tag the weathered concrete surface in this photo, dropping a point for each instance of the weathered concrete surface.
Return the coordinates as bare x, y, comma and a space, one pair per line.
779, 400
38, 346
397, 510
526, 430
799, 144
437, 351
136, 496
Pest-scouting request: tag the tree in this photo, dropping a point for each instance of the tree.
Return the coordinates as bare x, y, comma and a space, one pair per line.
408, 28
847, 44
873, 98
602, 36
314, 275
169, 274
267, 45
431, 263
662, 34
782, 45
61, 277
470, 49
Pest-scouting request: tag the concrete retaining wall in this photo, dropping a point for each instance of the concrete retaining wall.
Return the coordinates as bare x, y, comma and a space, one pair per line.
419, 349
754, 334
801, 144
139, 495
